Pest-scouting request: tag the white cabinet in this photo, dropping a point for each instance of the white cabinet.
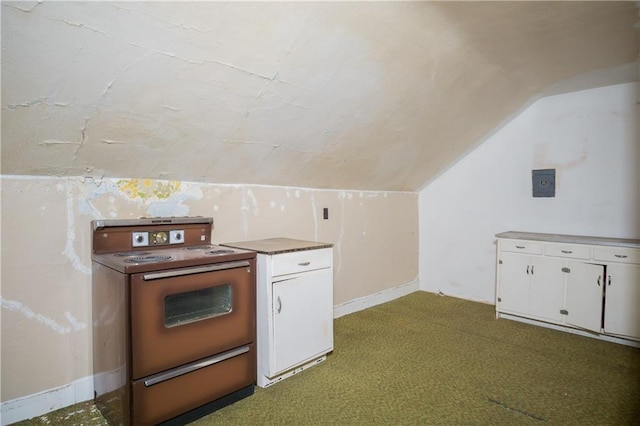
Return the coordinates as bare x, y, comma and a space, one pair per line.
294, 306
583, 304
623, 300
534, 287
546, 293
302, 319
295, 312
582, 283
513, 297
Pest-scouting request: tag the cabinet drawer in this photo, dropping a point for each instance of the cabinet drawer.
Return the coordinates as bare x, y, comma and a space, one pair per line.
301, 261
520, 246
568, 250
617, 254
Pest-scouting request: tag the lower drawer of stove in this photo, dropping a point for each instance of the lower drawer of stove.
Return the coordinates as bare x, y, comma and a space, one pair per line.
162, 401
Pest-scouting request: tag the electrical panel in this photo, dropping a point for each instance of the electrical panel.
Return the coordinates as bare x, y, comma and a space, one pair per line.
544, 182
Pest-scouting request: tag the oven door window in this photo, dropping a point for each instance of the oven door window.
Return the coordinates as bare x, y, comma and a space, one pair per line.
184, 308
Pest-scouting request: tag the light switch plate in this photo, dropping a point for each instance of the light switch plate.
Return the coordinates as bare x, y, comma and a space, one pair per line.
544, 182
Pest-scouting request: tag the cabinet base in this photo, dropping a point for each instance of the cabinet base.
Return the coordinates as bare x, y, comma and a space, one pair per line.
569, 329
264, 381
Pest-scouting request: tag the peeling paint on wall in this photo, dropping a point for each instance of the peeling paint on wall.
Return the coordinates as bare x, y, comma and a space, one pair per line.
69, 248
245, 209
146, 188
16, 306
254, 202
161, 197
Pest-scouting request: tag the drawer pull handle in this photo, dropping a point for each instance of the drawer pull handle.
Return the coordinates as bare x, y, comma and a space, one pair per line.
599, 279
193, 366
621, 256
304, 263
279, 305
196, 270
567, 251
519, 247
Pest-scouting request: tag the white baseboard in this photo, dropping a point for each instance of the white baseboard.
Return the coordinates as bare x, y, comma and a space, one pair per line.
456, 296
383, 296
44, 402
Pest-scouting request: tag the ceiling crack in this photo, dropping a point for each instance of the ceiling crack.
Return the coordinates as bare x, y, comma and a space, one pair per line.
50, 142
113, 142
39, 101
83, 132
169, 54
79, 25
231, 142
15, 5
119, 73
165, 22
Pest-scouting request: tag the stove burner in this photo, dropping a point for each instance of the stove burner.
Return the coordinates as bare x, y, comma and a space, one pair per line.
147, 259
221, 251
203, 247
132, 253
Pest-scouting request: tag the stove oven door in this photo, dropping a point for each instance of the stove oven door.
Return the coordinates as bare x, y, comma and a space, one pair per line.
183, 315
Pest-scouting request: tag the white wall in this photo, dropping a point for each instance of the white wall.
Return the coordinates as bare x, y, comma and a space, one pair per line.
591, 139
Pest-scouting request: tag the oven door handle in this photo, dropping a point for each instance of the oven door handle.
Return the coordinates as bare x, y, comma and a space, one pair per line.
188, 368
195, 270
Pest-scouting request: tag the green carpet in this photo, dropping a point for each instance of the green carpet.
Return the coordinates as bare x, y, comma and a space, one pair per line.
426, 359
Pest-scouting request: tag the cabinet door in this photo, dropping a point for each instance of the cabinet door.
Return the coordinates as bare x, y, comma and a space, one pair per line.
622, 306
584, 295
513, 286
546, 294
302, 319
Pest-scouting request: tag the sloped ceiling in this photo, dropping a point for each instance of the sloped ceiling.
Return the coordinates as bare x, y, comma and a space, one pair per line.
350, 95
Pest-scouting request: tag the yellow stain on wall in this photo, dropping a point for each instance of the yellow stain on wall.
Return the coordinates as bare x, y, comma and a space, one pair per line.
147, 188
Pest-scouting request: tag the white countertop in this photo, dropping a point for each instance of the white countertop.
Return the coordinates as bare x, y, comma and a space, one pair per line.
573, 239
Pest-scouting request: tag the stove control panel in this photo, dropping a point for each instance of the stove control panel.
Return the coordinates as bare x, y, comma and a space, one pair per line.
157, 238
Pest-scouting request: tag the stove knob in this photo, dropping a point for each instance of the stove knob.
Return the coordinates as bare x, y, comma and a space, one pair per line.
140, 239
176, 236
